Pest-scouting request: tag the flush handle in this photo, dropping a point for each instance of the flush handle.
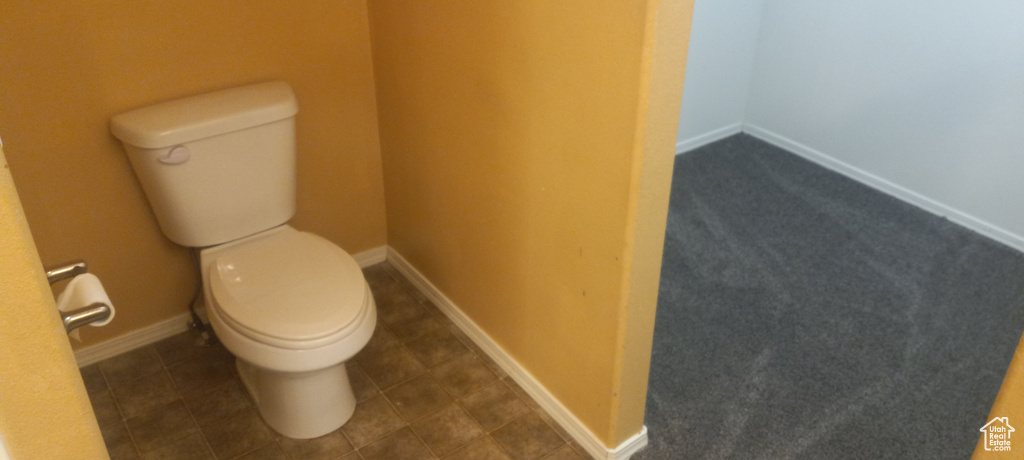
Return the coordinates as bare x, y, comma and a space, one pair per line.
176, 155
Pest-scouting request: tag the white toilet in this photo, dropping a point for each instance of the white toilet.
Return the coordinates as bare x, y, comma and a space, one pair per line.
219, 172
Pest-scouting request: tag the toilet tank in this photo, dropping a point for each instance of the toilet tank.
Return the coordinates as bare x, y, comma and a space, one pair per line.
217, 166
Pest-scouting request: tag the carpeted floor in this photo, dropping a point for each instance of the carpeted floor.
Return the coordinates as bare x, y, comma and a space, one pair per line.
805, 316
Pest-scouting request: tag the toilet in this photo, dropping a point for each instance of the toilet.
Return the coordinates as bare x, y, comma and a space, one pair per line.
218, 170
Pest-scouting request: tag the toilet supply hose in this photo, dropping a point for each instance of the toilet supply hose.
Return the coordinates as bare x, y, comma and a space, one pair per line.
197, 324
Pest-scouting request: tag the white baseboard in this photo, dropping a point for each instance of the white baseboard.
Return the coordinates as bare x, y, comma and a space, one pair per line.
372, 256
630, 446
535, 389
978, 225
132, 340
701, 140
178, 324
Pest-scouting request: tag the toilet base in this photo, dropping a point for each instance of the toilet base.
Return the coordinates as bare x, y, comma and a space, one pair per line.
300, 405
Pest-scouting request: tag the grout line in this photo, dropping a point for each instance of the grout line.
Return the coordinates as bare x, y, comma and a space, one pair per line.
471, 347
384, 435
274, 441
110, 390
123, 420
135, 444
343, 435
420, 438
199, 429
421, 300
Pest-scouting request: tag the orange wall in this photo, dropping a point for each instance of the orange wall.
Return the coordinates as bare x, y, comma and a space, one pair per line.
1010, 404
513, 140
522, 145
664, 65
44, 411
67, 69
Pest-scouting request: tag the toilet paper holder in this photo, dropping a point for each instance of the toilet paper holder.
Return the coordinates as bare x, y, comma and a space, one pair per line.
75, 319
62, 273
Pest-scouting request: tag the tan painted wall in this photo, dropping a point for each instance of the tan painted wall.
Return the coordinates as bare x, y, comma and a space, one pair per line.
67, 69
1010, 404
526, 175
44, 410
668, 36
519, 155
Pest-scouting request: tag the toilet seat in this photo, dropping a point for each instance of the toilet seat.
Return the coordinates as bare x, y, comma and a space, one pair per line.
288, 289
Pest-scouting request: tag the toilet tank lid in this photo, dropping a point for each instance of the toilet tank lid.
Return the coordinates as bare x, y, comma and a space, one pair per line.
205, 115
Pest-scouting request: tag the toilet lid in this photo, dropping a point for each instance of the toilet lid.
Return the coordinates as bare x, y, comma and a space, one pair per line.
290, 285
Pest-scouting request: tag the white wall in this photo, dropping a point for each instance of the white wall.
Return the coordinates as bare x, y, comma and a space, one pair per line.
721, 57
922, 99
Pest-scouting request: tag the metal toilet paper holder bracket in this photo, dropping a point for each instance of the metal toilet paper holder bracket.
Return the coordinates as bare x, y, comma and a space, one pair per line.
75, 319
64, 272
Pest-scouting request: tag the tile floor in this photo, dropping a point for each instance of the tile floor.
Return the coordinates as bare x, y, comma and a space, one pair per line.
424, 391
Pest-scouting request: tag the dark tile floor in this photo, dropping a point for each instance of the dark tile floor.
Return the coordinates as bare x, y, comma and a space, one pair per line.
424, 391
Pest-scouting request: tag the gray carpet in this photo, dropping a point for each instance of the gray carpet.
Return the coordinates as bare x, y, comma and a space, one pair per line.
803, 315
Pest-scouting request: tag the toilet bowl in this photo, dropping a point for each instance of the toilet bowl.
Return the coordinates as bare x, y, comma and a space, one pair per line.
292, 307
218, 170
